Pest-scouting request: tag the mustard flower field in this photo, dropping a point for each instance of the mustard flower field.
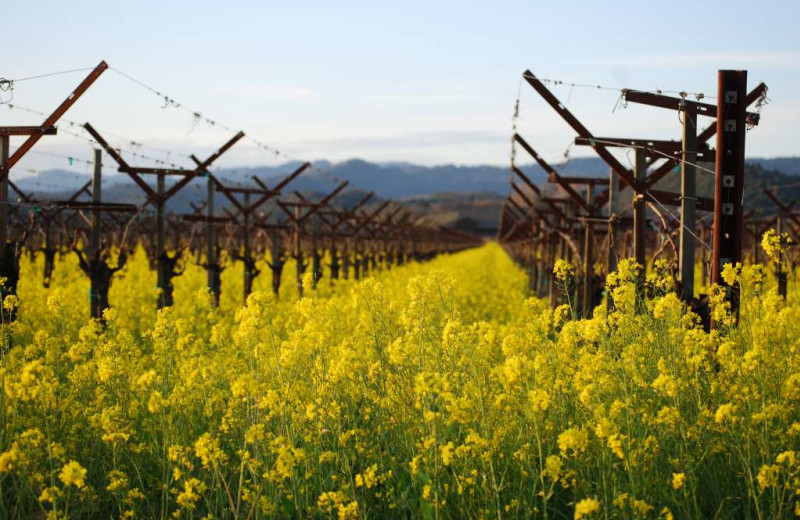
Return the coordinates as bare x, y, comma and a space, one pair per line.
435, 390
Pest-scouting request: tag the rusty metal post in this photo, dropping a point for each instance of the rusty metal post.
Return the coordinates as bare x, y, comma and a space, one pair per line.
161, 253
567, 254
298, 255
96, 306
613, 214
756, 256
640, 224
212, 262
49, 255
729, 180
588, 258
780, 273
210, 231
315, 260
346, 260
533, 281
277, 261
705, 256
97, 197
5, 145
688, 201
249, 273
552, 252
537, 260
541, 248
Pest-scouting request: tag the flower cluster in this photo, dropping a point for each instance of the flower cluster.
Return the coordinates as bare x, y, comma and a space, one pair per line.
434, 390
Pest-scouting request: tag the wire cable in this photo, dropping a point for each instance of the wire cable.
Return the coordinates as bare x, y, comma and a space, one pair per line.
199, 116
596, 86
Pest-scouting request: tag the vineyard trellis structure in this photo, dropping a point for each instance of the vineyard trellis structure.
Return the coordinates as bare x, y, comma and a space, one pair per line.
244, 217
536, 228
10, 251
356, 238
166, 263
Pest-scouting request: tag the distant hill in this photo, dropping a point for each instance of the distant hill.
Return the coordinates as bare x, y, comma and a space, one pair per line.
392, 180
785, 165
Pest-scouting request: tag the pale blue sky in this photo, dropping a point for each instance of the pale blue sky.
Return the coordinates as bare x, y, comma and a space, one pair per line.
427, 82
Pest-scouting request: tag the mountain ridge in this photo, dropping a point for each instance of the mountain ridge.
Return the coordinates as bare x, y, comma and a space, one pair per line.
395, 180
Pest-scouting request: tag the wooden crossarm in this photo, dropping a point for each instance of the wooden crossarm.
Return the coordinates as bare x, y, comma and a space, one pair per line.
785, 208
292, 176
277, 189
27, 130
361, 202
33, 138
203, 166
673, 103
539, 213
702, 137
517, 207
591, 181
334, 193
538, 193
522, 194
624, 174
124, 167
221, 188
22, 195
554, 175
